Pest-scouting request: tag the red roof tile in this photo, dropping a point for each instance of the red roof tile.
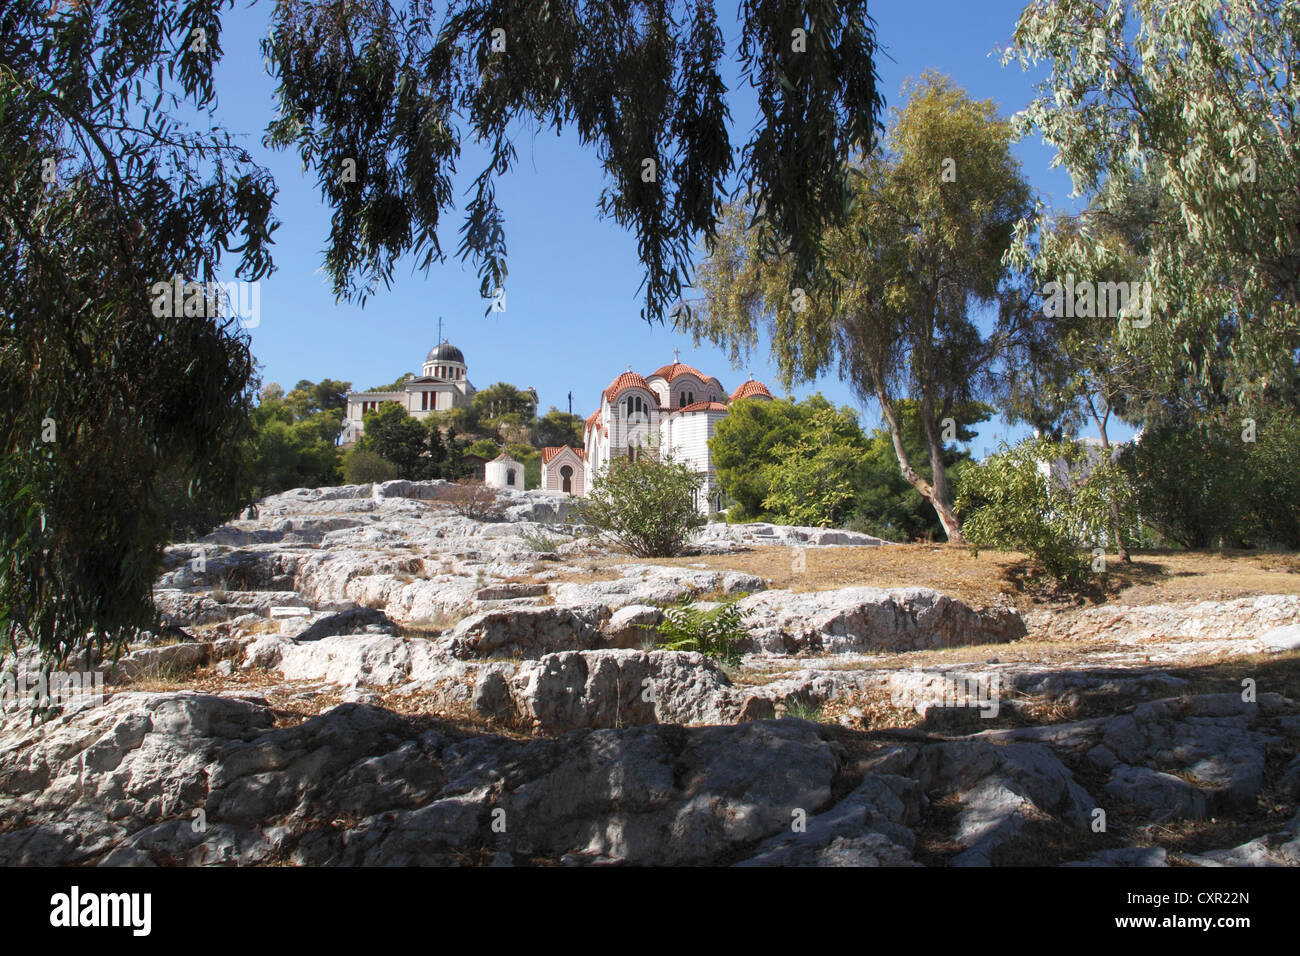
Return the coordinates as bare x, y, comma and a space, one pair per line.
701, 407
550, 451
626, 380
750, 388
670, 372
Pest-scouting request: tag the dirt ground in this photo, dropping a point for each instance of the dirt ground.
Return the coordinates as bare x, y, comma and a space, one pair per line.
989, 577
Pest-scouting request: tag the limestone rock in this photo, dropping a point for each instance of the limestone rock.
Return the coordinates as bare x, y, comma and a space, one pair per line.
530, 631
861, 619
620, 688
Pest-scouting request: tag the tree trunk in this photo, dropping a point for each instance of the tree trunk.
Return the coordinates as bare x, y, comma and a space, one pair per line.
939, 495
1120, 544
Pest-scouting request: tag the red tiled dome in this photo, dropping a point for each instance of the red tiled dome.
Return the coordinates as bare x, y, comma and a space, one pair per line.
750, 389
626, 380
670, 372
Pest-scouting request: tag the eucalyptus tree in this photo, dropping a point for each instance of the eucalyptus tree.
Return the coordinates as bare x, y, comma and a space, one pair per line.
1183, 116
112, 403
920, 253
380, 98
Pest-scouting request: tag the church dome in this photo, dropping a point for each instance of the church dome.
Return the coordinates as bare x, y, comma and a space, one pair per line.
751, 389
446, 352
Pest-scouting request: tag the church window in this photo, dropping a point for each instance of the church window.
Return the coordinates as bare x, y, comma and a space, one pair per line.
510, 476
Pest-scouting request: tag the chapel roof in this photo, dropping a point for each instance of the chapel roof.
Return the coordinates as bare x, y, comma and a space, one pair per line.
700, 407
626, 380
749, 389
550, 451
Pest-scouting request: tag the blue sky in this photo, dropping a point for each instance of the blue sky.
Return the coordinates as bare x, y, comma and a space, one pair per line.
571, 321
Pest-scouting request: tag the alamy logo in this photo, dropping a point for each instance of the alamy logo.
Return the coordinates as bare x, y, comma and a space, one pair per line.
1102, 300
75, 909
926, 690
50, 689
177, 298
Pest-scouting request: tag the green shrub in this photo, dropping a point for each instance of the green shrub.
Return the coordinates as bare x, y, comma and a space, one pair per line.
804, 710
361, 466
1275, 467
646, 507
717, 633
1202, 483
540, 542
1010, 504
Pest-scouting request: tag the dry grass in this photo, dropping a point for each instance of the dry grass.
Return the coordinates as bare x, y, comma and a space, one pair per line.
293, 702
993, 578
444, 620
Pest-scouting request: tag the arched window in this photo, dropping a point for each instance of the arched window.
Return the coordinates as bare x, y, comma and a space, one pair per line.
510, 476
566, 479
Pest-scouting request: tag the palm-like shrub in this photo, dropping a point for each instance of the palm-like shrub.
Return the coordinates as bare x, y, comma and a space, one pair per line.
717, 633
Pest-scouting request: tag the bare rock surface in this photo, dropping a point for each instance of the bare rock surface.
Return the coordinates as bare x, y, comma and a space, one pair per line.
859, 619
185, 777
504, 702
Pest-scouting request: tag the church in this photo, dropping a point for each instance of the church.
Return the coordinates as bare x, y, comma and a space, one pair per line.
673, 410
443, 384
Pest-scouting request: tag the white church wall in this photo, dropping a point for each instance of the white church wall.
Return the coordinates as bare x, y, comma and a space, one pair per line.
497, 474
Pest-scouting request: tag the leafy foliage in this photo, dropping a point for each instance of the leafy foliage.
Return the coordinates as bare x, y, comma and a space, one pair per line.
1048, 499
140, 404
717, 633
1180, 119
743, 447
294, 435
471, 498
810, 483
559, 428
395, 90
886, 504
917, 255
394, 435
362, 466
540, 542
645, 506
1202, 484
825, 471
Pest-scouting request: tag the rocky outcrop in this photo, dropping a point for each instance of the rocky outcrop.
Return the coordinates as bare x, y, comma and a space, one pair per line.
184, 777
656, 584
378, 596
760, 534
530, 631
620, 688
198, 779
871, 619
1231, 619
